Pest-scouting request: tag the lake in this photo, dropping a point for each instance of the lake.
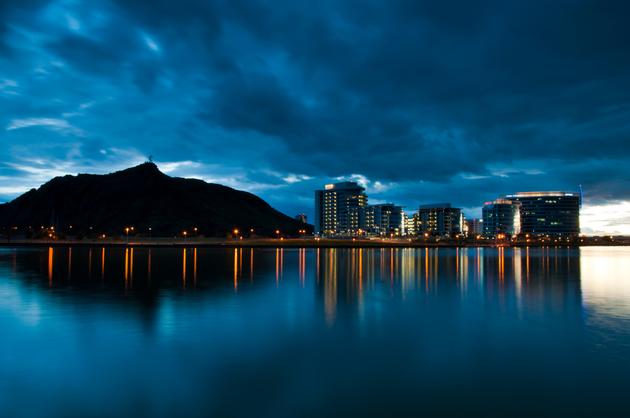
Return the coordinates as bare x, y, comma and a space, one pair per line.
98, 332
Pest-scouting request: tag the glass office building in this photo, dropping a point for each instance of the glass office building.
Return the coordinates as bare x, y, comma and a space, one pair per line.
549, 213
501, 218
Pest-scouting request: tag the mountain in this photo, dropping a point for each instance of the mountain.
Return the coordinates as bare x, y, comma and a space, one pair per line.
144, 197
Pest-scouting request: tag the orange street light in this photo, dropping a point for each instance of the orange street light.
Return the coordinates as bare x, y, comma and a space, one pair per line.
235, 231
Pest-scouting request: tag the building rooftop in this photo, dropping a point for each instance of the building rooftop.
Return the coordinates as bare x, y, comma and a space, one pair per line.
542, 194
343, 185
502, 202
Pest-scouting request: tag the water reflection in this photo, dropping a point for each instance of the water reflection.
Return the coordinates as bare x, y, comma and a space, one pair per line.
51, 255
497, 273
605, 282
103, 263
423, 320
519, 272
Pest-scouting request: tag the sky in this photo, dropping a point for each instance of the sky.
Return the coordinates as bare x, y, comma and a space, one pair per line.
419, 101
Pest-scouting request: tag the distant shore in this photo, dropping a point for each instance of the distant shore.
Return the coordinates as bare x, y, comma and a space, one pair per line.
303, 243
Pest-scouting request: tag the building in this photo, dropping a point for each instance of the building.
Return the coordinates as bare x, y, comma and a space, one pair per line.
475, 226
301, 217
339, 209
549, 213
410, 225
439, 219
383, 219
501, 218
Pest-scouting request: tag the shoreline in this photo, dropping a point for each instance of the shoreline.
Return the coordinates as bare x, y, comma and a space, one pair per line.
299, 243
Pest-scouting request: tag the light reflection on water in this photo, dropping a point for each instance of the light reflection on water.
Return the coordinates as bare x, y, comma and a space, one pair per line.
311, 332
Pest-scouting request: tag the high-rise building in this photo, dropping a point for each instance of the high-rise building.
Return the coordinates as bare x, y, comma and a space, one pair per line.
301, 217
383, 219
501, 218
339, 209
549, 213
439, 219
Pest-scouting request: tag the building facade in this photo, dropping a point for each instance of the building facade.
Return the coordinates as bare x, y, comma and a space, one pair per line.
410, 225
439, 219
475, 226
339, 209
549, 213
501, 218
383, 220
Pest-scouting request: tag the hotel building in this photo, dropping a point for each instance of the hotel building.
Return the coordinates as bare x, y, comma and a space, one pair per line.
339, 209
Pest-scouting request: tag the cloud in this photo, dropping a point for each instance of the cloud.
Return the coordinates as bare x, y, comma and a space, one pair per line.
8, 87
59, 125
295, 178
606, 219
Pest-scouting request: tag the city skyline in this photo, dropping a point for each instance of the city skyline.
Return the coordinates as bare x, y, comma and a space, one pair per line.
418, 102
344, 210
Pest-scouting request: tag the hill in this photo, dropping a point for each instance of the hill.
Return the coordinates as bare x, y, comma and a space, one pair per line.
143, 197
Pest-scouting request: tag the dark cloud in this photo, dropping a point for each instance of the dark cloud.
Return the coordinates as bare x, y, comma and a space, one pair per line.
437, 99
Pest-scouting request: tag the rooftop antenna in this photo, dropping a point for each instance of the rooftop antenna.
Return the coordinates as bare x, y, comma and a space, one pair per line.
581, 195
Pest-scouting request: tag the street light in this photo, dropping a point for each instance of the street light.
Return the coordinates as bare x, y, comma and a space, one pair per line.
278, 233
127, 233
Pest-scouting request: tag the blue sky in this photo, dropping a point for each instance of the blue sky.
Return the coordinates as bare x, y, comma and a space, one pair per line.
420, 101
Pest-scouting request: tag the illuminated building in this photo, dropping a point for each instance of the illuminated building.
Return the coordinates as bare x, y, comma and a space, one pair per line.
549, 213
501, 218
439, 219
475, 226
410, 225
383, 219
339, 209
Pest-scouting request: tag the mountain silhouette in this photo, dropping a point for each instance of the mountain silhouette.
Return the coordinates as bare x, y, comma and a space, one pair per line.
144, 197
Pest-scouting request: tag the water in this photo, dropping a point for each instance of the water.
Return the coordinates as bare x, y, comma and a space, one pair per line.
330, 332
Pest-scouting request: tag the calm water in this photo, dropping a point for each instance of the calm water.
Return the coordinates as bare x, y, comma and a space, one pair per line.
271, 333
